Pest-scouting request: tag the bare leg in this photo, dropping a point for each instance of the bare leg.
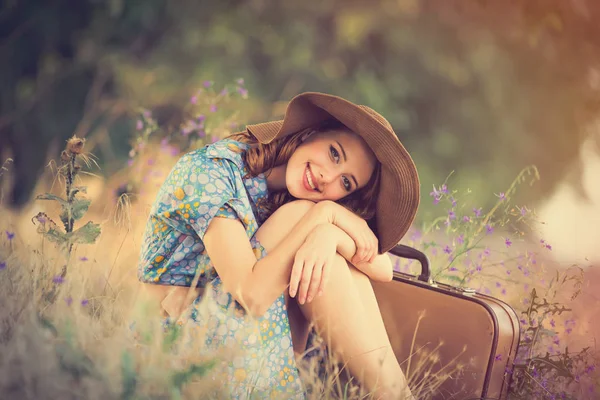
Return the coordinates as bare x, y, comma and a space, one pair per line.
347, 315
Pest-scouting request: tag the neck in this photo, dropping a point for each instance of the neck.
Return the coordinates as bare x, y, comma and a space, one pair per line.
276, 178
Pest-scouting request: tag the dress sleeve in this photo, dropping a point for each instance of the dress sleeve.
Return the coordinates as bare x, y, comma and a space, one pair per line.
201, 188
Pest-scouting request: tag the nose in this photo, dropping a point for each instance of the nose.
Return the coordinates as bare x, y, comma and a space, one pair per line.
326, 176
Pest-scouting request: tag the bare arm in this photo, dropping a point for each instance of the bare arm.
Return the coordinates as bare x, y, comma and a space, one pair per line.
257, 284
380, 269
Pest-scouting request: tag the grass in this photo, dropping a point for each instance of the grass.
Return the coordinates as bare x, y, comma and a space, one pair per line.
73, 324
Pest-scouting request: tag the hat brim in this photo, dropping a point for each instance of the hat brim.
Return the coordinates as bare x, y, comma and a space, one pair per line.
399, 193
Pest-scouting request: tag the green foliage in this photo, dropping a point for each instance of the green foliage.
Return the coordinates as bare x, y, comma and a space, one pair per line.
73, 208
180, 378
129, 376
465, 87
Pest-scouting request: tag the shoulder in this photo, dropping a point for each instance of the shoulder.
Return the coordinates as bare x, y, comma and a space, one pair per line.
213, 154
224, 156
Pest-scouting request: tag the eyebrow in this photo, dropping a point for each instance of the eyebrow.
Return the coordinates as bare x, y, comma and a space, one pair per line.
345, 159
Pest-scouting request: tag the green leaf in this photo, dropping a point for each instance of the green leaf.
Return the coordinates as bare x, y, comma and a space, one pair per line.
56, 236
49, 196
79, 207
87, 234
129, 376
180, 378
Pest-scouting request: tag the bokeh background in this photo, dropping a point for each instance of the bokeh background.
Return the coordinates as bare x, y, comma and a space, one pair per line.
476, 90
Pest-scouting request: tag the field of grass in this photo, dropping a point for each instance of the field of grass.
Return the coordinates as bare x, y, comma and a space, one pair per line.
72, 325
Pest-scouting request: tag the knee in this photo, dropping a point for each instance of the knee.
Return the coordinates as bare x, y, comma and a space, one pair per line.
282, 221
296, 207
292, 212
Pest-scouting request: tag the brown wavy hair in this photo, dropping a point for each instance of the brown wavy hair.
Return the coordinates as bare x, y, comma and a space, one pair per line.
261, 158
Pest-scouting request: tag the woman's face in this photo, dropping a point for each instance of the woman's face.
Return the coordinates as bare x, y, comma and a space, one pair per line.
329, 166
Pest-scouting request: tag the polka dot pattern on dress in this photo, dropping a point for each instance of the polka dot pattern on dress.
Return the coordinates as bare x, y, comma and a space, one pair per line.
204, 184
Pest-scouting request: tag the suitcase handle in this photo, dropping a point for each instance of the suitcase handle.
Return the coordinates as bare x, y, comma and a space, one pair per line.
404, 251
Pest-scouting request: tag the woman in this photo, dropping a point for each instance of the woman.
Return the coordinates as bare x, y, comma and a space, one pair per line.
276, 225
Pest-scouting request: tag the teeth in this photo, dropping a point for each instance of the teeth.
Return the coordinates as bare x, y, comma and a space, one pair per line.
310, 182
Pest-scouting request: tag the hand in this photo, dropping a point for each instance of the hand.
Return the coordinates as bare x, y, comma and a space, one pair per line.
312, 264
367, 244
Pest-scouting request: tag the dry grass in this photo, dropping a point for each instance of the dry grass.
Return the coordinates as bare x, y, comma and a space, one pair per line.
95, 339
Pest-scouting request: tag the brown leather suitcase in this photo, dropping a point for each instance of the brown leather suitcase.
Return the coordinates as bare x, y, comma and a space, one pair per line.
452, 343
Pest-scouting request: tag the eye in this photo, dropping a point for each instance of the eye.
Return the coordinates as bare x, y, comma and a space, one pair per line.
334, 153
346, 183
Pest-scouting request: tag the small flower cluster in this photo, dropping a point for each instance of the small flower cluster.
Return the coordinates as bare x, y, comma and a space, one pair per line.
209, 117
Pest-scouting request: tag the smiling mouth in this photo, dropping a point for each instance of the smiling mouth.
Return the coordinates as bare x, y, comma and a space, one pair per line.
309, 179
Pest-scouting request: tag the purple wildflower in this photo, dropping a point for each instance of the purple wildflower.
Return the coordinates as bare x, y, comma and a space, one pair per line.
503, 292
460, 239
507, 242
466, 219
434, 193
207, 84
552, 323
447, 249
84, 302
487, 252
498, 357
454, 202
416, 235
139, 125
501, 196
240, 81
590, 368
498, 284
478, 268
84, 258
451, 214
477, 212
164, 142
489, 229
444, 189
452, 269
243, 92
2, 265
58, 279
523, 211
147, 114
194, 99
213, 108
129, 162
10, 235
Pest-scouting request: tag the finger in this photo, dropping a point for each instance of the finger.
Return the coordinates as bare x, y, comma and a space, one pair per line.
315, 282
296, 275
305, 281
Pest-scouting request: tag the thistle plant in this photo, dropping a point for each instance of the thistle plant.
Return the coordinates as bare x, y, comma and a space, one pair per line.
73, 206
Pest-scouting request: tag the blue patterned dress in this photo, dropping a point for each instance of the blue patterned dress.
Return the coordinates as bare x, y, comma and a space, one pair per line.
207, 183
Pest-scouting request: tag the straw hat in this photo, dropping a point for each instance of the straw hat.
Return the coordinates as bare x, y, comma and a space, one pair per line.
398, 197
